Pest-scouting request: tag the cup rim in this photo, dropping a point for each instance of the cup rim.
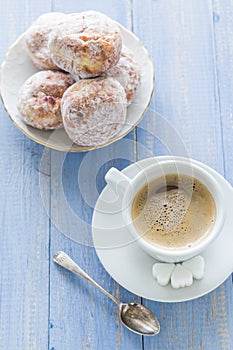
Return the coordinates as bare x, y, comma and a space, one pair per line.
213, 187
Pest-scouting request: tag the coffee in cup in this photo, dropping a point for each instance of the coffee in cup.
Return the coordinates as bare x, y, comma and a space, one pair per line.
174, 211
174, 208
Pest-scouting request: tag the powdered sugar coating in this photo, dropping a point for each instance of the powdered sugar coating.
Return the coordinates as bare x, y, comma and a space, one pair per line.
94, 111
40, 99
49, 18
37, 37
86, 44
127, 71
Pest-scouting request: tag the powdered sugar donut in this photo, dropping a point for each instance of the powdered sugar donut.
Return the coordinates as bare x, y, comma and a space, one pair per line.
37, 37
86, 44
40, 98
127, 72
94, 111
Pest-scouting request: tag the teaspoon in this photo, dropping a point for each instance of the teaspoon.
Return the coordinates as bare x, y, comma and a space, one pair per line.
136, 317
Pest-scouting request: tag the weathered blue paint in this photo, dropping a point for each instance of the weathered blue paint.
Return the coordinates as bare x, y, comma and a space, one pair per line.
41, 305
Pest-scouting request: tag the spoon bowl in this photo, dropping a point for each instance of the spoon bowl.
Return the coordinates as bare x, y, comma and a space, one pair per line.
136, 317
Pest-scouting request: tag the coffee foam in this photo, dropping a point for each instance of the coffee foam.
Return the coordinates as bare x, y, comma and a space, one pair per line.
174, 213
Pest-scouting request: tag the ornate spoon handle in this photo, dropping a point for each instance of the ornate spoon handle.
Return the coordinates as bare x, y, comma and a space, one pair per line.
65, 261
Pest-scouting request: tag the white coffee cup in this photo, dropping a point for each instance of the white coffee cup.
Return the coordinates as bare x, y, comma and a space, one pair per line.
127, 189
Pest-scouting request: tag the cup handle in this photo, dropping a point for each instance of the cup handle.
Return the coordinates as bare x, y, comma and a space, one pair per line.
117, 181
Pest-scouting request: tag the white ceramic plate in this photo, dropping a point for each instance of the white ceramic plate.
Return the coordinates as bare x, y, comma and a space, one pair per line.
17, 67
131, 267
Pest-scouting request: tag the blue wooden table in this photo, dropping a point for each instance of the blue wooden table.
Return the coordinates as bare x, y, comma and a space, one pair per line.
44, 307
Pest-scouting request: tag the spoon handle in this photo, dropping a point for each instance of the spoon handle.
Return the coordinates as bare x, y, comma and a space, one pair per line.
65, 261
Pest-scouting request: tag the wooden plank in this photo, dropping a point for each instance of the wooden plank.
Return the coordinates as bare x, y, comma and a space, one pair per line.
187, 95
223, 30
81, 317
181, 37
24, 249
24, 245
79, 313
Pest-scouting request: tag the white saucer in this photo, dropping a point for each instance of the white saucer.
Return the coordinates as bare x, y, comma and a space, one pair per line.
131, 267
17, 67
